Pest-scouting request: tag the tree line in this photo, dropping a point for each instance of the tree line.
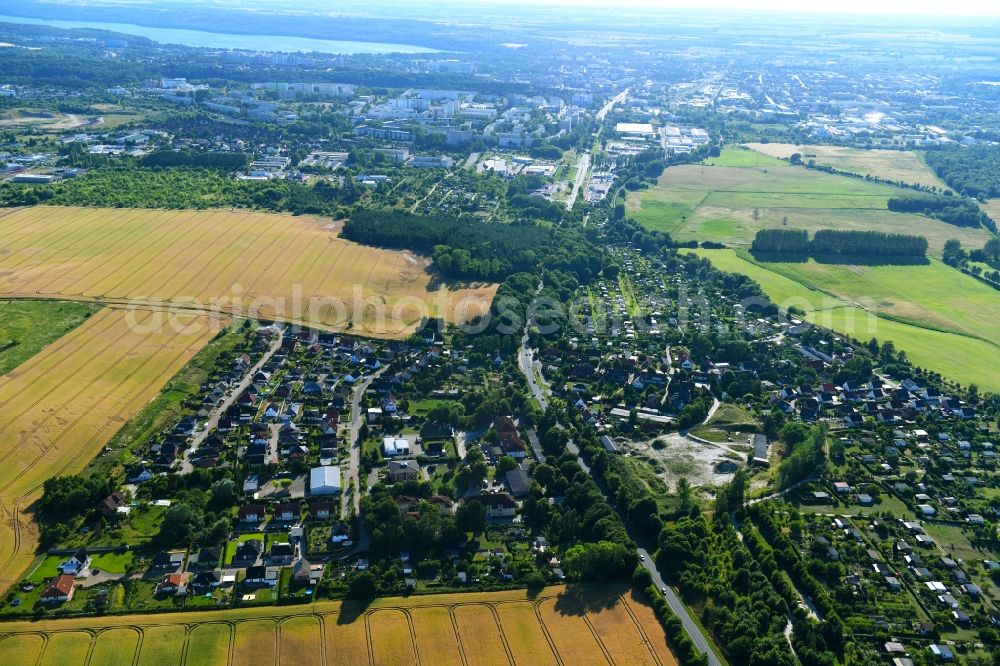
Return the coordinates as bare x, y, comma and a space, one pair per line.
837, 243
958, 211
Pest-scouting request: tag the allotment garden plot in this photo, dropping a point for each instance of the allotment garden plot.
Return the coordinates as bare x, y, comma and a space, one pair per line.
60, 407
269, 266
593, 625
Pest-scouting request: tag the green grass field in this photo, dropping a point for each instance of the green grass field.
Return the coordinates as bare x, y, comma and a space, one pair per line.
26, 327
741, 157
733, 416
729, 198
943, 320
898, 165
934, 295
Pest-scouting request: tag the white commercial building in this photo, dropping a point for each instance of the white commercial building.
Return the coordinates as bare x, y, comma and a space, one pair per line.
324, 480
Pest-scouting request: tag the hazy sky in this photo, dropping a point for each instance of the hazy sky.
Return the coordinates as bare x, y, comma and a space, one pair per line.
903, 7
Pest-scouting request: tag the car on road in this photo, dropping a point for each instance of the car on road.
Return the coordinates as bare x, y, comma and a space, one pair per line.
663, 590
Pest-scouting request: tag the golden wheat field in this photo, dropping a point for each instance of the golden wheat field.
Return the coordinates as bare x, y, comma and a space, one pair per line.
592, 625
260, 265
60, 407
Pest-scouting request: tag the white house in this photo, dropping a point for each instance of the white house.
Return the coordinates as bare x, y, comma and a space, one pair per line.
77, 564
392, 446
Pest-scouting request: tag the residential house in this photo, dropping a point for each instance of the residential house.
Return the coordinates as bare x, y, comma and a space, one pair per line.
517, 481
261, 575
282, 553
206, 580
499, 506
403, 470
175, 583
76, 565
253, 513
322, 510
109, 505
248, 552
306, 573
287, 511
209, 557
167, 561
59, 590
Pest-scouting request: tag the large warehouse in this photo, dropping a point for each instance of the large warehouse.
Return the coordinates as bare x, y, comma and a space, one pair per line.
324, 480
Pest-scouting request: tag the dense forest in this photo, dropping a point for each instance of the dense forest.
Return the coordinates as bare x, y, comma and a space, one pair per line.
177, 188
959, 211
974, 171
460, 248
475, 250
185, 158
836, 243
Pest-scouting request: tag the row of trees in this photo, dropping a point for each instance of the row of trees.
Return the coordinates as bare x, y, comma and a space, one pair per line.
832, 242
958, 211
805, 453
719, 575
782, 241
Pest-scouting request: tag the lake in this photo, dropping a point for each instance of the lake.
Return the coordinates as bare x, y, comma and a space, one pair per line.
217, 40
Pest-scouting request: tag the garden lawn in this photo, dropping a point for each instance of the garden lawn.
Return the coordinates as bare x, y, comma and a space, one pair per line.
113, 563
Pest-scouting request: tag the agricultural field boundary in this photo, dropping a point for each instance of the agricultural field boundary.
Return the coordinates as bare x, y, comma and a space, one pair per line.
617, 623
263, 265
60, 407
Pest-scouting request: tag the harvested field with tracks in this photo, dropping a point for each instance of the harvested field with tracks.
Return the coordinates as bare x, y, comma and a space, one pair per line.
261, 265
59, 408
593, 625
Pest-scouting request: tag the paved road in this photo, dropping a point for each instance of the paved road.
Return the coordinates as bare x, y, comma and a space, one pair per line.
680, 610
357, 418
526, 364
582, 168
617, 99
526, 361
213, 420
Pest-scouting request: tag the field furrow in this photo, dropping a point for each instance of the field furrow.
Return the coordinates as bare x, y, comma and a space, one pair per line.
482, 642
391, 630
70, 399
566, 622
436, 640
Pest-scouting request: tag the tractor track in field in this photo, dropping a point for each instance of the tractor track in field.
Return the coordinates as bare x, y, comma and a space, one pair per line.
324, 617
73, 460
